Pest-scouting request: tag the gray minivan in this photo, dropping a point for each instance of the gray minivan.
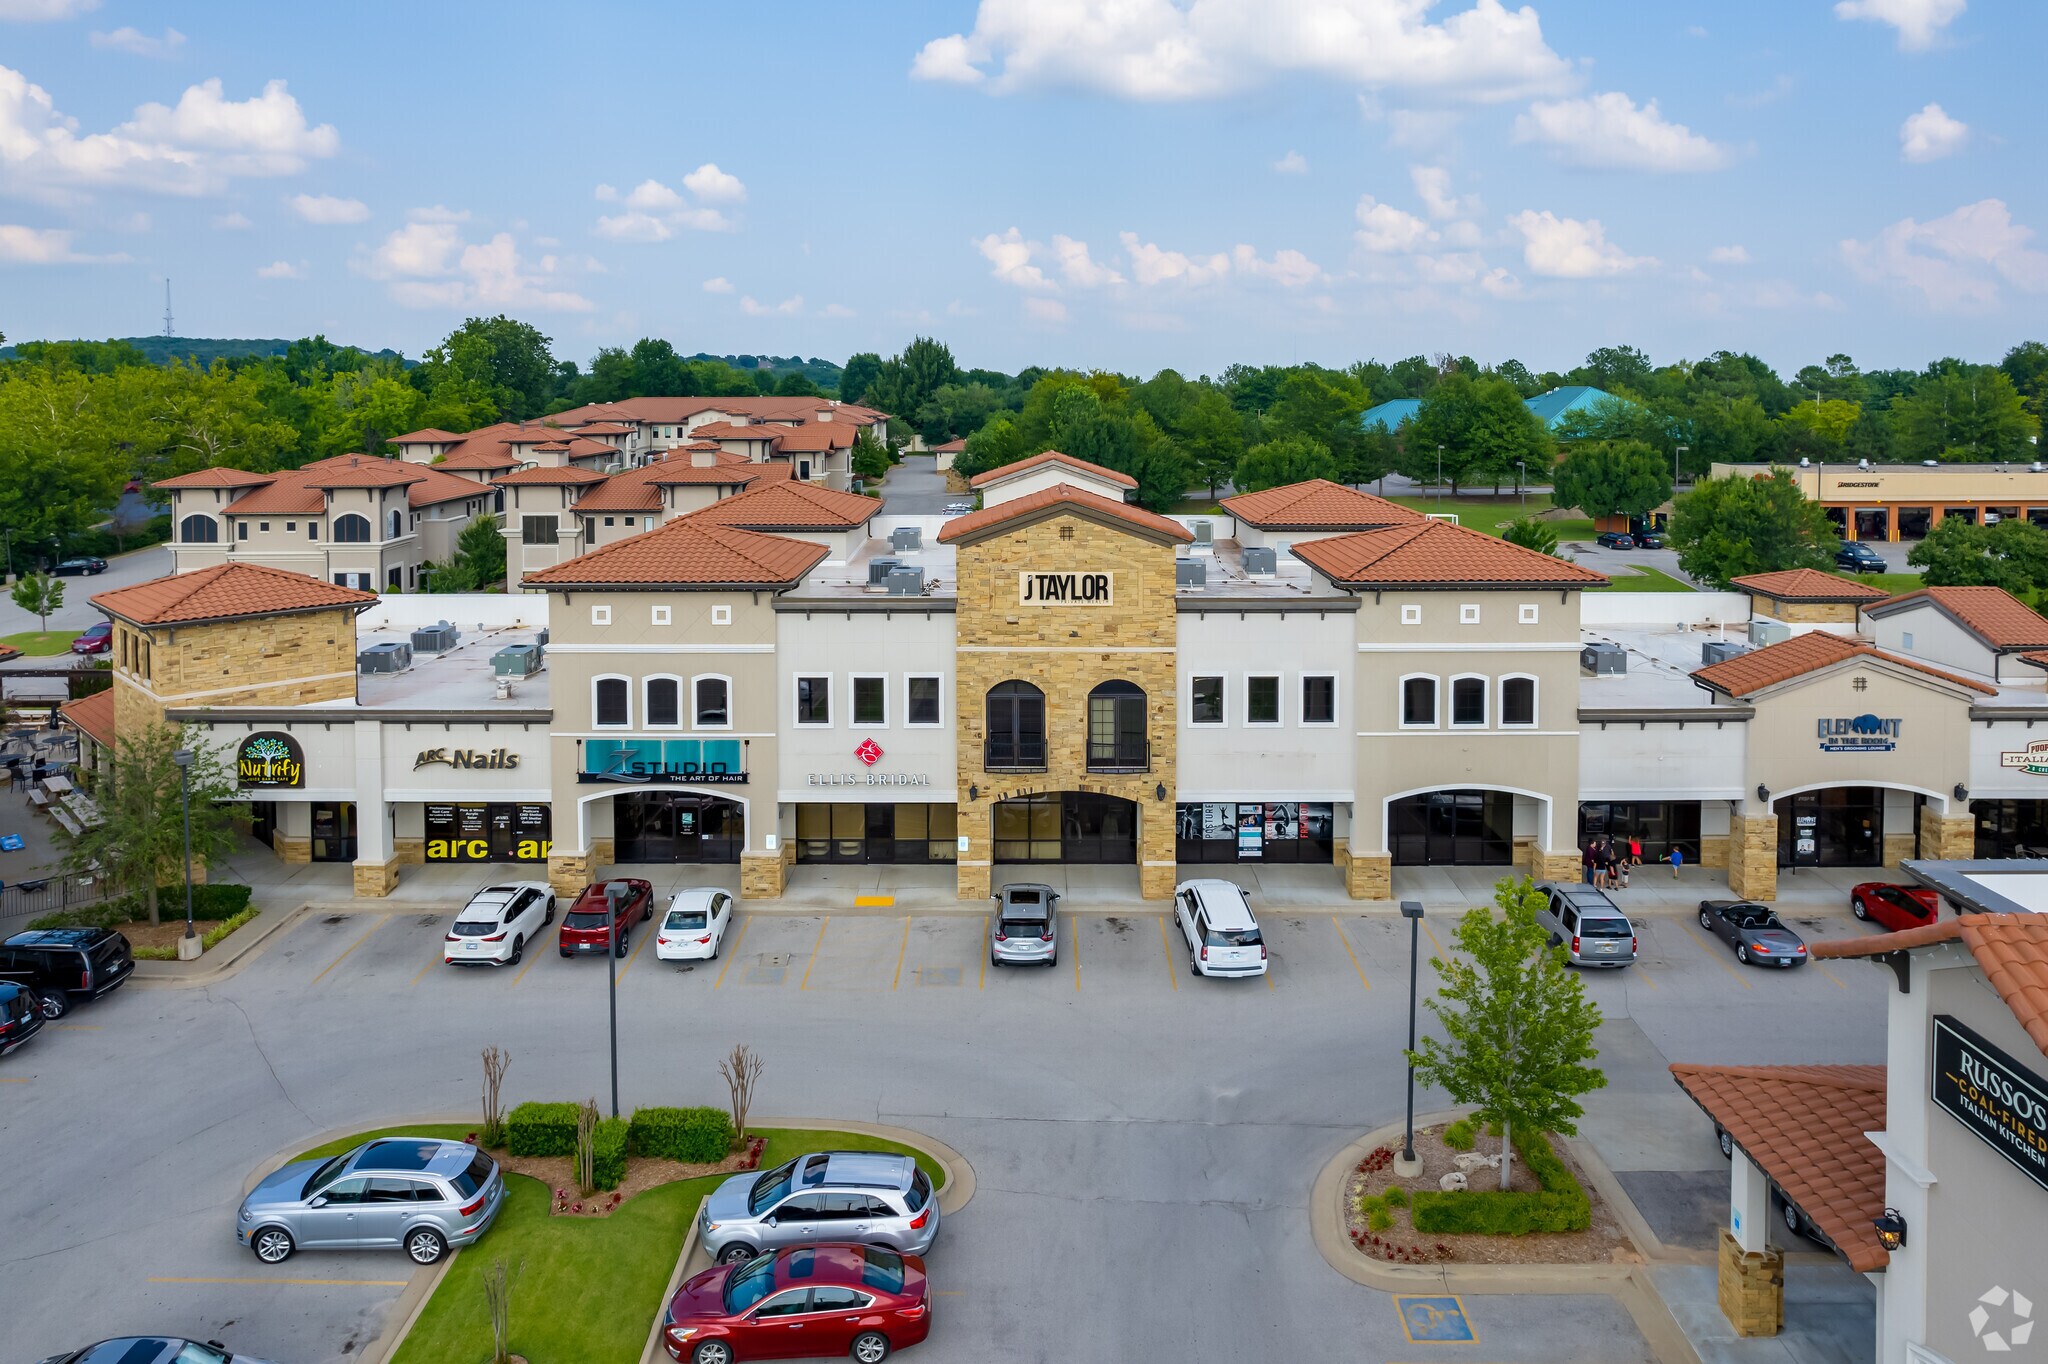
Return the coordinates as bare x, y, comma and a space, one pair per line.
1588, 925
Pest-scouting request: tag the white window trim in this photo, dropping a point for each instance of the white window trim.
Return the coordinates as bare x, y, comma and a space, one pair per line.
1411, 615
1224, 678
721, 615
608, 677
1468, 613
600, 615
1535, 700
661, 615
1300, 691
909, 723
692, 701
1527, 613
647, 707
852, 680
1279, 700
1401, 701
1451, 700
796, 701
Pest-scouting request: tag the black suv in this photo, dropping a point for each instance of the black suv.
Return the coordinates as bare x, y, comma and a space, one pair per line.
1857, 557
21, 1015
66, 966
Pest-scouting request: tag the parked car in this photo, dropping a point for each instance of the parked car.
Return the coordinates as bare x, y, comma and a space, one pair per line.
96, 640
1649, 539
1753, 931
1615, 539
497, 923
86, 566
586, 927
21, 1015
959, 508
1025, 931
1857, 557
66, 966
694, 927
1589, 926
1894, 906
420, 1193
858, 1301
1796, 1221
153, 1350
1216, 921
867, 1196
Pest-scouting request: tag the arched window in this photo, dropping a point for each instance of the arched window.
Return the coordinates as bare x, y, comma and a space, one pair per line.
610, 702
1418, 702
1116, 729
199, 530
352, 529
712, 702
1518, 702
1468, 702
664, 701
1016, 728
394, 525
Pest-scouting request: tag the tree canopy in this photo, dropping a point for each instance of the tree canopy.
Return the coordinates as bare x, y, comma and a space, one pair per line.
1612, 478
2011, 554
1727, 527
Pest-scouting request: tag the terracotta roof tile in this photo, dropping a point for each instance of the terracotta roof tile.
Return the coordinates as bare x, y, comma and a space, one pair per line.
1053, 500
606, 429
1807, 584
289, 494
2039, 658
225, 592
92, 716
671, 411
1009, 471
791, 505
688, 552
815, 437
1318, 504
1991, 613
951, 447
555, 474
426, 435
1747, 674
1804, 1127
2012, 950
753, 430
363, 471
215, 478
1437, 554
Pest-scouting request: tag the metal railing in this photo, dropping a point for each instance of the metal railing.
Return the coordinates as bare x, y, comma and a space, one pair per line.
25, 900
1013, 755
1121, 755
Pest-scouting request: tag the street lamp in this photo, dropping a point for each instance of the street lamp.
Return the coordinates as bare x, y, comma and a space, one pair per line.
1406, 1165
1439, 477
188, 947
614, 893
1674, 465
1522, 493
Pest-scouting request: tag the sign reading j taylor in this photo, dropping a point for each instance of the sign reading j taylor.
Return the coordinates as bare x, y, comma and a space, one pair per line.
1993, 1095
1066, 589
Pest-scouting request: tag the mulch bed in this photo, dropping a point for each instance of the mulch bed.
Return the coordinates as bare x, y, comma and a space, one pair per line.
143, 933
558, 1173
1604, 1241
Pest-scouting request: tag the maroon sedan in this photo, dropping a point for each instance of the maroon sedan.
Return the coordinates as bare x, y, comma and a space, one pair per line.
1894, 906
800, 1303
587, 929
96, 640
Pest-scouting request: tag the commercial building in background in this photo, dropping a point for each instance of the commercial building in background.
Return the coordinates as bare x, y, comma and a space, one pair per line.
1868, 501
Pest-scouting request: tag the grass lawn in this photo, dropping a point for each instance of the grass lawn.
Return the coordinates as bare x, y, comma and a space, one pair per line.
41, 643
1646, 580
1196, 506
1894, 583
1489, 514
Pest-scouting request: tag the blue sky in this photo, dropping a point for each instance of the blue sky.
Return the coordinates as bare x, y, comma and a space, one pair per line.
1127, 185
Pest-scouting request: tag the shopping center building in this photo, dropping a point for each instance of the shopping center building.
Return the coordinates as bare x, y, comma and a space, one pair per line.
1868, 501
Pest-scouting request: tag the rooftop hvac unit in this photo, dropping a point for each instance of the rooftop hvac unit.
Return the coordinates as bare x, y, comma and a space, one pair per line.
1720, 651
906, 538
906, 582
1205, 533
384, 658
1260, 561
879, 570
1762, 632
436, 638
1604, 660
1188, 573
540, 637
516, 660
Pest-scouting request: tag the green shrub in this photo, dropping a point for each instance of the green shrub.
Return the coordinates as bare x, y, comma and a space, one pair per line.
537, 1129
219, 932
1371, 1203
211, 903
608, 1153
102, 543
1459, 1136
696, 1136
1379, 1219
154, 953
1397, 1197
1561, 1206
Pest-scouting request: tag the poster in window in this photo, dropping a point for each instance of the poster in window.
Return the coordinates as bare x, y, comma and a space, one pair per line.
1283, 820
1219, 822
1251, 828
1316, 821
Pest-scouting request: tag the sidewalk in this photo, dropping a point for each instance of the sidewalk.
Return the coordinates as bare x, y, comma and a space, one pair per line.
1830, 1314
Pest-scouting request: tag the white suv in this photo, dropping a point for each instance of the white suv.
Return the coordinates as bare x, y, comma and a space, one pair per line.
494, 928
1223, 938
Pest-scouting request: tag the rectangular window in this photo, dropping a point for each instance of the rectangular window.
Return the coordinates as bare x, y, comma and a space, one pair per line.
871, 700
1418, 702
537, 530
610, 520
263, 526
312, 530
1205, 701
611, 706
713, 703
1262, 700
921, 700
814, 700
291, 527
664, 706
241, 530
1319, 698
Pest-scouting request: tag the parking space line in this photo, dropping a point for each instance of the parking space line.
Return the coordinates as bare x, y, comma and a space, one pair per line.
382, 919
15, 1079
814, 953
1166, 951
901, 949
1708, 948
635, 956
1336, 924
77, 1027
298, 1283
982, 983
745, 924
1433, 942
1644, 972
437, 961
1824, 971
551, 947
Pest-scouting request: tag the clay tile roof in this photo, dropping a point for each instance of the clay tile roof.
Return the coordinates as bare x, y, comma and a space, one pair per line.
2039, 658
215, 478
289, 494
1058, 498
951, 447
2012, 950
688, 552
606, 429
1437, 554
1804, 1127
1318, 504
225, 592
1747, 674
556, 474
92, 716
363, 471
1991, 613
1051, 457
426, 435
725, 471
754, 430
1807, 584
816, 436
439, 487
791, 505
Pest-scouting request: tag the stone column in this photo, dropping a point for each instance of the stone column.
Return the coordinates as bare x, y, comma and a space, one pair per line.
1945, 837
1753, 856
1752, 1287
568, 873
974, 870
761, 875
1157, 867
1367, 876
376, 865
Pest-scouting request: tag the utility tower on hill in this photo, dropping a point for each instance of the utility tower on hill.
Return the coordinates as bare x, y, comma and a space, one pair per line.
169, 330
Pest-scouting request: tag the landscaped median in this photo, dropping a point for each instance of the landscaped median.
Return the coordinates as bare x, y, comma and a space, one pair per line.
218, 910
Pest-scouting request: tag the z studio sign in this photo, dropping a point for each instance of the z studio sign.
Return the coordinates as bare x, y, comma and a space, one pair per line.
2033, 760
1994, 1096
271, 761
1864, 734
497, 759
1066, 589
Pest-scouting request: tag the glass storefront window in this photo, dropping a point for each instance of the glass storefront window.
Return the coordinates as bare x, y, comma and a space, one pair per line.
500, 832
1660, 824
2011, 828
1842, 826
851, 832
1268, 831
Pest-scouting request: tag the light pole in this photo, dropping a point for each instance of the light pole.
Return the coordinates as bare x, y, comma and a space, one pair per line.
1675, 454
1439, 477
188, 946
1521, 493
614, 891
1405, 1164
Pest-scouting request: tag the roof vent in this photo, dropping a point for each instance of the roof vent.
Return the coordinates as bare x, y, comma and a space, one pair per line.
439, 637
1205, 534
1188, 573
1260, 561
879, 569
1804, 461
516, 660
384, 658
1720, 651
906, 538
906, 582
1762, 632
1603, 659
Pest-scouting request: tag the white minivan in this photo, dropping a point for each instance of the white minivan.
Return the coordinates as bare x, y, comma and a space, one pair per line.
1215, 918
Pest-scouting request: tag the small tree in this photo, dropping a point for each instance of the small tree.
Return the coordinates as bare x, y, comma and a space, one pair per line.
498, 1283
496, 1062
139, 842
742, 1070
40, 593
2012, 554
1530, 533
1614, 478
1727, 527
586, 1146
1519, 1025
870, 458
1290, 459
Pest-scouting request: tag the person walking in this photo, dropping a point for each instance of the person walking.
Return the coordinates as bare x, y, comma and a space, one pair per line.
1635, 857
1677, 860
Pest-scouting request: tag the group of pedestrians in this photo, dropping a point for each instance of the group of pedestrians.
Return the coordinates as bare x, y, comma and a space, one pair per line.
1607, 863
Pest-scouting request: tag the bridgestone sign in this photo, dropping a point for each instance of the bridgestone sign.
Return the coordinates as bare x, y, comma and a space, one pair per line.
1996, 1097
1066, 589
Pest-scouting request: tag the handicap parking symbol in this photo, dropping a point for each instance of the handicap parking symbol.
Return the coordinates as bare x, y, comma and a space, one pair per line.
1434, 1321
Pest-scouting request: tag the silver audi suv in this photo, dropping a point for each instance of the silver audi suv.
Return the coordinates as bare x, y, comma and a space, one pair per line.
868, 1197
421, 1193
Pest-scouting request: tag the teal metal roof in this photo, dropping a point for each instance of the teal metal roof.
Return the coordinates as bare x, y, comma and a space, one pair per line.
1389, 414
1553, 406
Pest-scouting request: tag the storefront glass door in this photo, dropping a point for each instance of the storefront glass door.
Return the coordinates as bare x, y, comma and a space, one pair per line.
1453, 829
1842, 826
334, 831
1067, 826
676, 826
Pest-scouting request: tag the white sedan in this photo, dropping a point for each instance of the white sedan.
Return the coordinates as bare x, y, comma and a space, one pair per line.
694, 927
494, 928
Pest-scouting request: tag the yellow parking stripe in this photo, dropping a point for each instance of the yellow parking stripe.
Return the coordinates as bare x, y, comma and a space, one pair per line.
900, 951
15, 1079
1166, 950
1342, 938
1433, 942
382, 919
555, 945
1720, 958
1824, 971
297, 1283
635, 955
78, 1027
745, 924
814, 953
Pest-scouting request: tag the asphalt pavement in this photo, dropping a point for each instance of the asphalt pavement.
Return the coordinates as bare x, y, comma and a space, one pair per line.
77, 612
915, 487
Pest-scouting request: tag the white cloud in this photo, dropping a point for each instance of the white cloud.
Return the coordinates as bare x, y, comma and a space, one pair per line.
44, 246
441, 213
43, 11
327, 210
606, 194
1729, 255
1294, 163
266, 134
1153, 265
634, 227
653, 197
701, 219
1570, 248
1383, 228
1433, 187
713, 186
718, 284
1958, 261
1609, 130
416, 251
1193, 49
281, 269
1289, 269
1919, 22
430, 265
789, 307
233, 222
1048, 310
835, 310
1078, 269
654, 210
1011, 255
1931, 134
135, 41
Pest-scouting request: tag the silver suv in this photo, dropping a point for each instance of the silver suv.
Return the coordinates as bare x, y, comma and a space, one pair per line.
1587, 925
868, 1197
1025, 930
422, 1193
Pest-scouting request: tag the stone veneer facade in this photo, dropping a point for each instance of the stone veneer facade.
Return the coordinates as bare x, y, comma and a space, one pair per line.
287, 660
